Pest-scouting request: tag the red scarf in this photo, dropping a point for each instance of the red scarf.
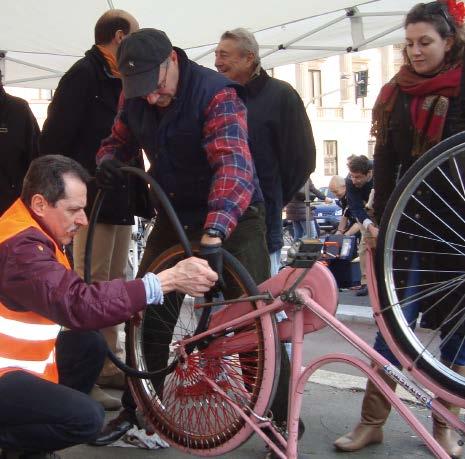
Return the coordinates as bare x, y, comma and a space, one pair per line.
428, 107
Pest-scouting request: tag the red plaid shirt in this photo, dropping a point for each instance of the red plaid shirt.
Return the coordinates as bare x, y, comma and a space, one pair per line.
225, 144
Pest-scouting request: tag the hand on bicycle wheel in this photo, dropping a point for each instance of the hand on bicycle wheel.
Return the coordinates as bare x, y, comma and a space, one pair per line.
214, 255
192, 276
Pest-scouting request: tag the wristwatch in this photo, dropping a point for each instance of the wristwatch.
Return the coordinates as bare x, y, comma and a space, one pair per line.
214, 233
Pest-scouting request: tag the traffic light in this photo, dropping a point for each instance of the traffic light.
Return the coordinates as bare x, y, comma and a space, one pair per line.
361, 83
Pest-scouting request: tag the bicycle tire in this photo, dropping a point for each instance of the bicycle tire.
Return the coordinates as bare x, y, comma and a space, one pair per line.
181, 407
426, 190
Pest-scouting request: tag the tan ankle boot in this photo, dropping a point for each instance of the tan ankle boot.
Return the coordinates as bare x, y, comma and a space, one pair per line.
375, 411
448, 438
108, 402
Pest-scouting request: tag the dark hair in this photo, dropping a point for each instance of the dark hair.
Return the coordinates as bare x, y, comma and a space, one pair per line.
108, 24
437, 14
45, 177
360, 164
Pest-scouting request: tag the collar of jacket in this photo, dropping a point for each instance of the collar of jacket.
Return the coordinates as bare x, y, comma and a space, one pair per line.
100, 62
256, 84
185, 71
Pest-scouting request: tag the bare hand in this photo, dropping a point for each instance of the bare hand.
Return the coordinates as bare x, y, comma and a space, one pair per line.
192, 276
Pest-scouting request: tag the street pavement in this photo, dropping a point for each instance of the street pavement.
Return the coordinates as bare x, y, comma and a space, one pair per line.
331, 404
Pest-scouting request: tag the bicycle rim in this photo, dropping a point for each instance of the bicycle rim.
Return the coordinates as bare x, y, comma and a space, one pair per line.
420, 263
180, 405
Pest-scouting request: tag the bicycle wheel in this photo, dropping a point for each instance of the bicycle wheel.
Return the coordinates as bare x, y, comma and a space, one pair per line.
420, 263
179, 404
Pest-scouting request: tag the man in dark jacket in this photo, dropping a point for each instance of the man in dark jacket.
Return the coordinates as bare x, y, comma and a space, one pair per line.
19, 133
280, 134
45, 373
359, 186
192, 125
80, 116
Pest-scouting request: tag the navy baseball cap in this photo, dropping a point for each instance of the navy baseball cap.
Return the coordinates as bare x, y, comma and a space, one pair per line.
139, 57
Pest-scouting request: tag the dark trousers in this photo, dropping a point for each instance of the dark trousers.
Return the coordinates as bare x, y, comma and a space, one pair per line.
248, 244
37, 415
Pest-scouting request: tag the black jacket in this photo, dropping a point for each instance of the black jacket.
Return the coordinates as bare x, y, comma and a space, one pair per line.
282, 146
391, 161
357, 199
296, 210
79, 117
19, 133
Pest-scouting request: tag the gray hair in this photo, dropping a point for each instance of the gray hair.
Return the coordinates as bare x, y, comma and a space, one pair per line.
337, 181
246, 41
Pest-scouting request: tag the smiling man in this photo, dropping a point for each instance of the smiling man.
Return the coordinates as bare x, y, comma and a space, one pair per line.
45, 373
280, 134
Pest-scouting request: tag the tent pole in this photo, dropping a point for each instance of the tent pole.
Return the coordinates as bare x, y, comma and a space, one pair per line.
25, 80
2, 66
305, 35
34, 66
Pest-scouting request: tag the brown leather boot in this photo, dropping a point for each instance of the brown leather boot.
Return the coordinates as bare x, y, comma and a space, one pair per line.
375, 411
447, 437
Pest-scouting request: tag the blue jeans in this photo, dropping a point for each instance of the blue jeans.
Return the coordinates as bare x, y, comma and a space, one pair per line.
300, 229
275, 262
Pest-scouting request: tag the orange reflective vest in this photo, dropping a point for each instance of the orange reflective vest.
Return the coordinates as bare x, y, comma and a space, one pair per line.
27, 340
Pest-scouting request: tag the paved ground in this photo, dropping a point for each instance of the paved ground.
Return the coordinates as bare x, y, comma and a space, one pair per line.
331, 407
327, 412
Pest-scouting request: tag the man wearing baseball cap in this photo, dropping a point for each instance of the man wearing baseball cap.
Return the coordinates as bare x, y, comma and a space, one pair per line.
192, 124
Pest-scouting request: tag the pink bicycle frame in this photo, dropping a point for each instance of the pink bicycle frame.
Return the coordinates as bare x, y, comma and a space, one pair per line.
317, 294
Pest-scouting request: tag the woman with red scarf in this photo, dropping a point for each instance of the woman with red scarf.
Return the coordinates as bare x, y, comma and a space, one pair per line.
417, 109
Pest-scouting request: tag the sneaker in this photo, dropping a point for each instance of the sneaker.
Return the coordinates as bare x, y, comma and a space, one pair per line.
363, 291
108, 402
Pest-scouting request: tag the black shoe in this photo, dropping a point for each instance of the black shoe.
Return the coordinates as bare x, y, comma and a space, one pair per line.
116, 428
363, 291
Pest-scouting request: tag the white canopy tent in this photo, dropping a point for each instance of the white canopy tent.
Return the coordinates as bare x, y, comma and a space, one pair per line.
41, 40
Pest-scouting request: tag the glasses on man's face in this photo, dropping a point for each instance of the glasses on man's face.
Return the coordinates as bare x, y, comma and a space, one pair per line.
162, 83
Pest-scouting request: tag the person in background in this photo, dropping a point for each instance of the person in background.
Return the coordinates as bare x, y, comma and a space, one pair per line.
359, 185
19, 133
296, 211
280, 134
348, 225
80, 116
46, 373
418, 108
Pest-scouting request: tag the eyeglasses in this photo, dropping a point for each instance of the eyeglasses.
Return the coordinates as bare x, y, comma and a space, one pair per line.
162, 83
